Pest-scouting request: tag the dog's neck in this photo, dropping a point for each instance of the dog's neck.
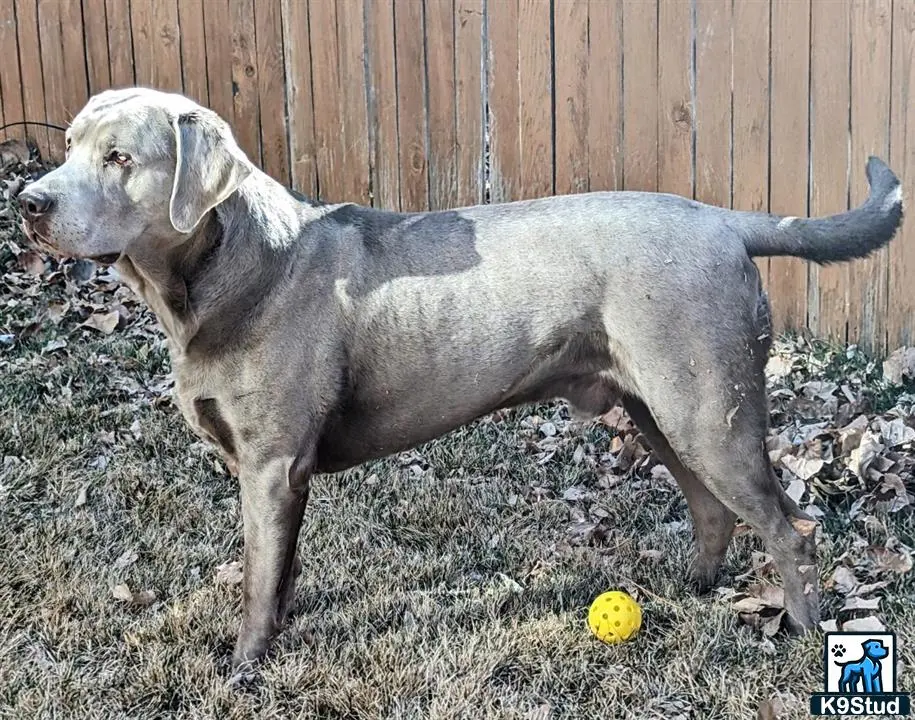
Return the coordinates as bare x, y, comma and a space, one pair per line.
202, 286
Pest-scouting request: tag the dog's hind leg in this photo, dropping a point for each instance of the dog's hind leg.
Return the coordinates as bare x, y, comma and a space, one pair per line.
713, 522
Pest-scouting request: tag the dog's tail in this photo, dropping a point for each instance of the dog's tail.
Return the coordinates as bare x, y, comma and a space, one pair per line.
853, 234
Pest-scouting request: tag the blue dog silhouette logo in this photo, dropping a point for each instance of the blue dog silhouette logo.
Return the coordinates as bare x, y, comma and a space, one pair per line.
862, 676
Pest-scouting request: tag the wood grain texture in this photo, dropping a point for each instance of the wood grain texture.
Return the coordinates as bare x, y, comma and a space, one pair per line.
141, 28
750, 66
535, 93
11, 109
54, 73
271, 92
829, 102
120, 43
714, 68
901, 297
352, 98
31, 72
572, 64
220, 65
246, 103
442, 116
384, 153
640, 94
675, 98
411, 105
870, 113
96, 36
788, 108
504, 101
193, 50
299, 101
468, 87
605, 95
166, 46
326, 88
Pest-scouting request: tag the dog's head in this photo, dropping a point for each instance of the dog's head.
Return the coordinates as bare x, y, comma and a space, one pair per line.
142, 167
875, 650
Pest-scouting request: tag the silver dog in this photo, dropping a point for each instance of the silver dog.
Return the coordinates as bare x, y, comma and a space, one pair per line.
308, 338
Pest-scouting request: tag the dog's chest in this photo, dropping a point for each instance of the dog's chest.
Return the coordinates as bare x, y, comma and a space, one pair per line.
197, 393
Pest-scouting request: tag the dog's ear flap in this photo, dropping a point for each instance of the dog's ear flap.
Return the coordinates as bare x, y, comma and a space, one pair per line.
209, 167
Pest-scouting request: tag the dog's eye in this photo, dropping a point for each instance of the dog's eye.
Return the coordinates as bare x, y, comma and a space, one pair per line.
69, 145
119, 158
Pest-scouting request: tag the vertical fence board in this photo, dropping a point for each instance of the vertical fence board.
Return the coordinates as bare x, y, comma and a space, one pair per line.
166, 46
572, 84
10, 83
605, 96
411, 105
97, 58
870, 106
535, 93
193, 50
788, 110
640, 94
351, 43
468, 85
73, 52
142, 32
750, 64
120, 43
326, 87
54, 72
246, 106
440, 73
218, 39
299, 102
829, 98
31, 72
504, 101
271, 93
713, 102
901, 306
383, 104
675, 91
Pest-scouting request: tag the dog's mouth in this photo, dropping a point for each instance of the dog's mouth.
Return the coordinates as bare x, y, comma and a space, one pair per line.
41, 243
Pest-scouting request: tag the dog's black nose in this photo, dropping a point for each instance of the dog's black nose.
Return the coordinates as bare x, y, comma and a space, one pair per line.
34, 204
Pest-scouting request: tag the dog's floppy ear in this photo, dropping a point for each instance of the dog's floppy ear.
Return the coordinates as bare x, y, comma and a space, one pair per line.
209, 167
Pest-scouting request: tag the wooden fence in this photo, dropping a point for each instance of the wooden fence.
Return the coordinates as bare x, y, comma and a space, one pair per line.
412, 104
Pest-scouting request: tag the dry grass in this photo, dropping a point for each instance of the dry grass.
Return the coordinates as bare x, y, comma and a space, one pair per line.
435, 584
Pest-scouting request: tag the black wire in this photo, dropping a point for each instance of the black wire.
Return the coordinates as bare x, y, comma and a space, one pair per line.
33, 122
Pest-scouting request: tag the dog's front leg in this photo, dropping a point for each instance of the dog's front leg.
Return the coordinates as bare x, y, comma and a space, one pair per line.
273, 502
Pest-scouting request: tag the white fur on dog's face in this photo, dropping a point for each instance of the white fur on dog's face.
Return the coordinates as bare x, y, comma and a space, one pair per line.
120, 183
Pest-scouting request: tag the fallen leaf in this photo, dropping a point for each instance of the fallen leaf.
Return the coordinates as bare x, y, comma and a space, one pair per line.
829, 625
863, 455
804, 468
886, 560
128, 557
541, 712
843, 580
865, 624
122, 592
860, 603
105, 323
900, 365
796, 489
230, 573
896, 433
32, 263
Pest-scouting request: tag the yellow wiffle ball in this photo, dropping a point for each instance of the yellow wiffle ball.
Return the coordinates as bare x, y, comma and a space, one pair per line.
614, 617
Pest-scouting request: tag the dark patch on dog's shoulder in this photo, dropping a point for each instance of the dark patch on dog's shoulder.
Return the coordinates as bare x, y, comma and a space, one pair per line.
214, 424
406, 244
